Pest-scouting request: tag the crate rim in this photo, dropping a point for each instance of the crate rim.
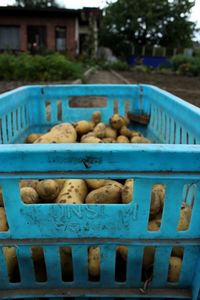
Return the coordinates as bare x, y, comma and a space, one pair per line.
115, 86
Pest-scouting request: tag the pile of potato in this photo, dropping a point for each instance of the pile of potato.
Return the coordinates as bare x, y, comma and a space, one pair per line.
93, 131
89, 191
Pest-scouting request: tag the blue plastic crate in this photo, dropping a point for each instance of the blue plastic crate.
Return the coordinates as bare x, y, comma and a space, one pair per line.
175, 162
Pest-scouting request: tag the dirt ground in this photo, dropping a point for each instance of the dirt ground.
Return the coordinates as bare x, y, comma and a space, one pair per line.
187, 88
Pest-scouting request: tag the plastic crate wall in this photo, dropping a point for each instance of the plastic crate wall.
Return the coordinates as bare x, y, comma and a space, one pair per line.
53, 226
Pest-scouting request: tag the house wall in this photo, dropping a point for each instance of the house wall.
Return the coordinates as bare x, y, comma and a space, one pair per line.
50, 23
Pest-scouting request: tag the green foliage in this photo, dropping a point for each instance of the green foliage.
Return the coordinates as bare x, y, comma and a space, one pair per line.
27, 67
186, 65
156, 22
117, 65
178, 60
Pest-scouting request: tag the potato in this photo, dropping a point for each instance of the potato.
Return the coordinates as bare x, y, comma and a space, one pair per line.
108, 140
74, 191
3, 220
89, 134
122, 139
83, 127
94, 261
177, 251
60, 183
125, 131
62, 133
99, 130
117, 121
184, 222
140, 140
91, 140
127, 191
37, 254
174, 269
48, 190
95, 183
96, 117
29, 183
113, 183
148, 257
66, 263
31, 138
187, 211
1, 198
123, 251
11, 261
136, 133
29, 195
156, 204
154, 225
107, 194
110, 133
65, 128
160, 190
39, 264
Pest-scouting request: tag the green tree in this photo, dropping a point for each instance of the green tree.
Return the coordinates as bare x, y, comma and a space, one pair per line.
36, 3
156, 22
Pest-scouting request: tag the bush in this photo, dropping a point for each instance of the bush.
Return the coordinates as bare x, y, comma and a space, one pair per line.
186, 65
116, 65
27, 67
178, 60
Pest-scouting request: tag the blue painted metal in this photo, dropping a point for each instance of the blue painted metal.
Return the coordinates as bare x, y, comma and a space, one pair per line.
174, 161
151, 61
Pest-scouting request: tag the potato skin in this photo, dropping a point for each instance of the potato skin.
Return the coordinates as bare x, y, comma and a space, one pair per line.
127, 191
117, 121
96, 117
154, 225
94, 261
122, 139
125, 131
108, 140
48, 190
99, 130
29, 183
29, 195
62, 133
1, 198
60, 182
174, 269
11, 261
3, 220
83, 127
107, 194
110, 133
156, 204
95, 183
74, 191
91, 140
123, 251
140, 140
31, 138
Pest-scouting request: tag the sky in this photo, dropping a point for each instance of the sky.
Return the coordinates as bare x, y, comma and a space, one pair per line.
101, 3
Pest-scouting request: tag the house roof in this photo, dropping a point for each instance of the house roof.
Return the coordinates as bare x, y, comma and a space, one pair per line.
50, 11
38, 12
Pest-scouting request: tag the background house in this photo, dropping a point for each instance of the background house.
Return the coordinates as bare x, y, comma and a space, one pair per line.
38, 29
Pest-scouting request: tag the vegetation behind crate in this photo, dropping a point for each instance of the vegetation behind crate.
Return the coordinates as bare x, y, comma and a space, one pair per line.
37, 67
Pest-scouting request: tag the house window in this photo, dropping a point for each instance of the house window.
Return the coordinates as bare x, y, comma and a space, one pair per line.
60, 35
37, 36
9, 38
